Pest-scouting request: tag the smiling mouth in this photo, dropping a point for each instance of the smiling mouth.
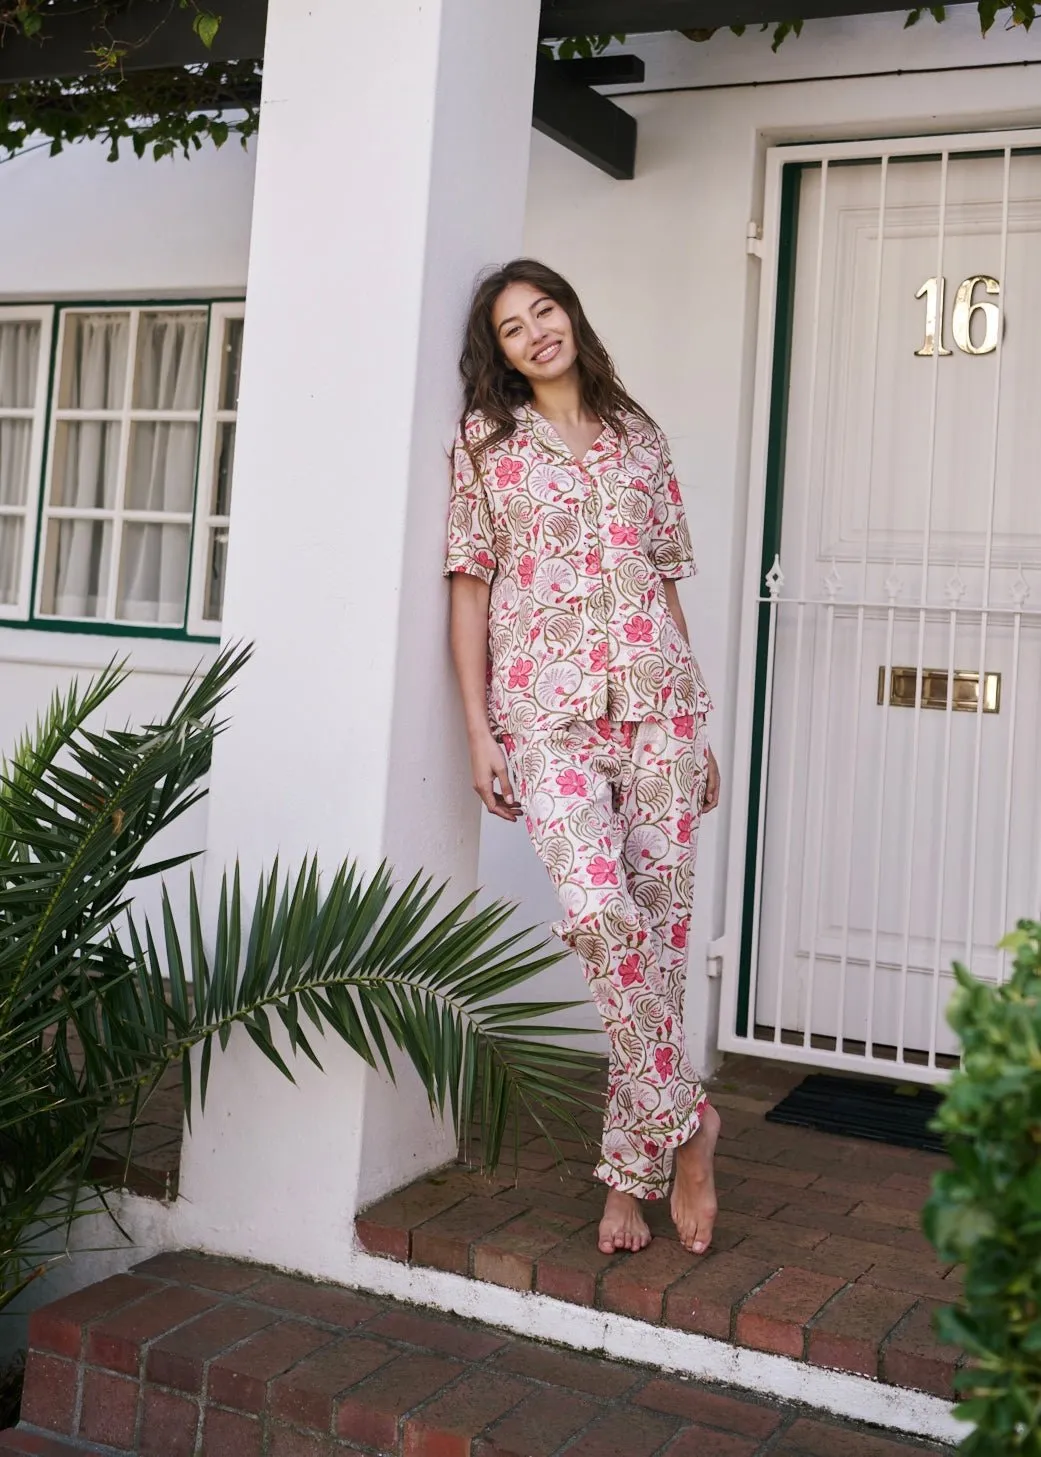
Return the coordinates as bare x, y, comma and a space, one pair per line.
549, 352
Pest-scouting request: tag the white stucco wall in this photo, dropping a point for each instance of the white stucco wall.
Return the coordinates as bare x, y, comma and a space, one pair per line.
660, 263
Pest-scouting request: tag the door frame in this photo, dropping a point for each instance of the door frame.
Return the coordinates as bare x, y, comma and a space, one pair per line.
738, 946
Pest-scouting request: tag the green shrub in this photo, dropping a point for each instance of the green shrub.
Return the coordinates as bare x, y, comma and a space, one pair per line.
986, 1211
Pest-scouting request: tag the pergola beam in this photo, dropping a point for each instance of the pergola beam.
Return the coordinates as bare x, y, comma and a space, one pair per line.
582, 120
640, 17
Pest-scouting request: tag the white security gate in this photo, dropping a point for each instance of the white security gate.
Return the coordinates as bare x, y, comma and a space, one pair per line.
891, 646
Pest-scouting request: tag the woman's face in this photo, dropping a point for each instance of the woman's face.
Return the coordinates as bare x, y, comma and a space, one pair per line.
534, 333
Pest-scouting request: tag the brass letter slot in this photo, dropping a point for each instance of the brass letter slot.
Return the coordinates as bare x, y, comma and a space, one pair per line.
934, 689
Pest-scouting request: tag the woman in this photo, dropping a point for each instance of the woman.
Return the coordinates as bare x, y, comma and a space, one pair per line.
585, 708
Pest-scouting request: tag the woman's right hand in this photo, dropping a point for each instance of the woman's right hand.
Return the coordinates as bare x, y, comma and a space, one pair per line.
489, 769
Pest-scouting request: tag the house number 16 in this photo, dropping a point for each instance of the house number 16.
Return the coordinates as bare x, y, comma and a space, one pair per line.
965, 306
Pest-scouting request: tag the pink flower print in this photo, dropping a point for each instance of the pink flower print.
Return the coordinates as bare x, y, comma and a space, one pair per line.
679, 935
667, 1024
630, 970
509, 743
683, 725
639, 629
598, 657
603, 728
508, 471
485, 559
685, 828
592, 563
624, 536
663, 1062
650, 1148
525, 570
602, 872
520, 672
674, 491
572, 783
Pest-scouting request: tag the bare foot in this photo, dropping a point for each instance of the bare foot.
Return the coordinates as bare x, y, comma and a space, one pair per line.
694, 1205
623, 1227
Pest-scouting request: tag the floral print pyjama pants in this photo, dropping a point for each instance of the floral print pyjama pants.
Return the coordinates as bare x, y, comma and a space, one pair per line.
612, 810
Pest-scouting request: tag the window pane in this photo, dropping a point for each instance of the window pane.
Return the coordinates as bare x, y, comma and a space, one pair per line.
231, 360
16, 438
170, 349
94, 361
225, 463
76, 568
19, 358
86, 463
162, 467
10, 558
216, 562
153, 574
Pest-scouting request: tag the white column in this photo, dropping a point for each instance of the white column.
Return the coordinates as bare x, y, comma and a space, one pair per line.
392, 166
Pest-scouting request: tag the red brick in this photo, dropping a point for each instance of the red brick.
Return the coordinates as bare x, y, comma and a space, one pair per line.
169, 1424
58, 1327
288, 1442
179, 1359
774, 1317
49, 1393
886, 1214
815, 1200
329, 1303
637, 1286
371, 1413
705, 1300
847, 1334
767, 1173
239, 1377
231, 1434
914, 1357
850, 1227
391, 1241
631, 1433
508, 1256
445, 1240
184, 1268
570, 1271
306, 1394
709, 1409
754, 1197
822, 1439
109, 1412
700, 1442
115, 1342
587, 1205
892, 1197
447, 1337
539, 1426
603, 1379
446, 1426
919, 1184
33, 1444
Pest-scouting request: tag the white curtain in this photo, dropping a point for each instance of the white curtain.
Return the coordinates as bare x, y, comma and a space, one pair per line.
19, 359
93, 378
153, 573
154, 569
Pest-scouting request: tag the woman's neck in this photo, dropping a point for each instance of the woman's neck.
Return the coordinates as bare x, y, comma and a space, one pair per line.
560, 400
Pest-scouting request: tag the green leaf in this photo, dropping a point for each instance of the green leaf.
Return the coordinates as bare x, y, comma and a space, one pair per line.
206, 27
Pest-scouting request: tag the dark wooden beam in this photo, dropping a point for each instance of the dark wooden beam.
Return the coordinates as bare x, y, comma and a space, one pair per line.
606, 70
582, 120
639, 17
155, 33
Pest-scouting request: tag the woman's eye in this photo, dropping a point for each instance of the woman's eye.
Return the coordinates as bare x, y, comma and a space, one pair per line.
547, 310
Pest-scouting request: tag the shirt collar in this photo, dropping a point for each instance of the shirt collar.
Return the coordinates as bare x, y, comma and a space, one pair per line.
545, 435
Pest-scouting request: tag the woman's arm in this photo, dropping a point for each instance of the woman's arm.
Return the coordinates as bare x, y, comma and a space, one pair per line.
469, 638
672, 598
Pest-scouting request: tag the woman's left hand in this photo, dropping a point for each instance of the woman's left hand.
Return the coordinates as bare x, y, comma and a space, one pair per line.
711, 784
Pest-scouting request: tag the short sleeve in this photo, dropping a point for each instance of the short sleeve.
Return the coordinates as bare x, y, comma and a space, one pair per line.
670, 549
471, 543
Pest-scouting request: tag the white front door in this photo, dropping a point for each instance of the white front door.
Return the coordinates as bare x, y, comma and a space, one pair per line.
899, 643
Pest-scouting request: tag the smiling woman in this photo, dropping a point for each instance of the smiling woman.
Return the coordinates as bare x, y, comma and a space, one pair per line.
566, 538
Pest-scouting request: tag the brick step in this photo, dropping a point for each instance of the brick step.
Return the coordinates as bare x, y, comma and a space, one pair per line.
188, 1355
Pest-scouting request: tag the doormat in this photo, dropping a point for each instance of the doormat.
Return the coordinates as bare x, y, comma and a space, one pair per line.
897, 1113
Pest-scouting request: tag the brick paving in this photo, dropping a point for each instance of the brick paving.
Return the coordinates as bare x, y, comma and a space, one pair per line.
818, 1253
189, 1355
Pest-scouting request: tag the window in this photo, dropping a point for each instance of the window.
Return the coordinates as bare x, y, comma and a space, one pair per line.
127, 466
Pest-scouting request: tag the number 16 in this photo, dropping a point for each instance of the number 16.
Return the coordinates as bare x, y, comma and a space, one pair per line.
932, 290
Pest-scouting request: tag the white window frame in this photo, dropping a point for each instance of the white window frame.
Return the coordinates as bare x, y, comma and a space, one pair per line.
43, 314
199, 625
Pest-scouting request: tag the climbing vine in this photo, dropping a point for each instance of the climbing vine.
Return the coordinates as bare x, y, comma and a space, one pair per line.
179, 109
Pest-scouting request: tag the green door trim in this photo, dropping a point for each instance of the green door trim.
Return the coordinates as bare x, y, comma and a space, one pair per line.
777, 440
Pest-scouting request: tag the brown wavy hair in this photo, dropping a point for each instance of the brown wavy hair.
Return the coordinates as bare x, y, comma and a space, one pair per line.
493, 388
